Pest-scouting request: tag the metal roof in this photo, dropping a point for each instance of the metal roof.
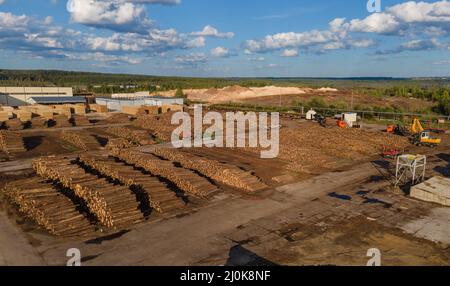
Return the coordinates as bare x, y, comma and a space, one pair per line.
56, 99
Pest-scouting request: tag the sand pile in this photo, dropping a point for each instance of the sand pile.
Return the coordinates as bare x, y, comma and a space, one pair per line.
236, 93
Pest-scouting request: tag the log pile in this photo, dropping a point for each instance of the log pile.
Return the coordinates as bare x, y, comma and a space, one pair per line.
226, 174
48, 208
186, 180
80, 120
11, 142
159, 196
118, 118
114, 206
138, 137
160, 125
81, 140
61, 121
14, 124
312, 148
119, 143
39, 122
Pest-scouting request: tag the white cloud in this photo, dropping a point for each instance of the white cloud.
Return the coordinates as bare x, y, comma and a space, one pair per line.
121, 16
210, 31
416, 45
2, 1
220, 52
103, 58
290, 53
380, 23
413, 19
191, 59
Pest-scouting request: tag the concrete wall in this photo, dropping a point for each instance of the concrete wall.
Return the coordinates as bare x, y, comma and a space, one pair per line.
18, 96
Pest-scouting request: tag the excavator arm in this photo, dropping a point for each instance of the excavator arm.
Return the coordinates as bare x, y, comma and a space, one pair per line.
417, 126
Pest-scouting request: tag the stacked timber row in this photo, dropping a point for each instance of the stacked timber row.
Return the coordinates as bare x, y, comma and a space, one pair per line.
119, 143
61, 121
48, 208
138, 137
186, 180
80, 139
38, 122
80, 120
160, 197
226, 174
14, 124
11, 142
114, 206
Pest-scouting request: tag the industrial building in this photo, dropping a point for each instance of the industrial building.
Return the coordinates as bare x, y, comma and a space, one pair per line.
18, 96
118, 104
53, 100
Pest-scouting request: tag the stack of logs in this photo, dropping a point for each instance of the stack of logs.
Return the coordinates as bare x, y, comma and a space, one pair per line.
48, 208
186, 180
119, 143
14, 124
138, 137
118, 118
11, 142
160, 125
61, 121
38, 122
227, 174
80, 139
160, 197
114, 206
80, 120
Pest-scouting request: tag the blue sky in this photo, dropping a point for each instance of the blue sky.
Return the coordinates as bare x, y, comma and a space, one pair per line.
305, 38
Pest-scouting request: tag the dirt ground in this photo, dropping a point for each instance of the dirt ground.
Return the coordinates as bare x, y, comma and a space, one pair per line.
343, 99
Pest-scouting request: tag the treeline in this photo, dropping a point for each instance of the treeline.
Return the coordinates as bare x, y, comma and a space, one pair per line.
108, 83
438, 94
432, 89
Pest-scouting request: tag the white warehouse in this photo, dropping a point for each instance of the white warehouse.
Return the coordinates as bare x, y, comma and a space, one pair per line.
18, 96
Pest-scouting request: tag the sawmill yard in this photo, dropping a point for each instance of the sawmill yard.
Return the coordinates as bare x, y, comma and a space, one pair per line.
111, 186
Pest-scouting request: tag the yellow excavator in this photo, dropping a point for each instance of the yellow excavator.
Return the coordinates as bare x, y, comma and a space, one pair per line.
419, 136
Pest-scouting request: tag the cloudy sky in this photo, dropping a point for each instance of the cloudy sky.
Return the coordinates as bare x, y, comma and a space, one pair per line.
308, 38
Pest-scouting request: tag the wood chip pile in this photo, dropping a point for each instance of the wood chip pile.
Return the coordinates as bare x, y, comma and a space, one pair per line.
160, 197
14, 124
138, 137
11, 142
80, 139
186, 180
114, 206
48, 208
227, 174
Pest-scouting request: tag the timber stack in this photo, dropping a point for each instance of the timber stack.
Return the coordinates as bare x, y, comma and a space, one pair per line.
114, 206
48, 207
